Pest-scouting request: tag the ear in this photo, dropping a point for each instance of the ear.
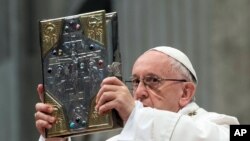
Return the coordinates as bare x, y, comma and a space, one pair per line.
188, 93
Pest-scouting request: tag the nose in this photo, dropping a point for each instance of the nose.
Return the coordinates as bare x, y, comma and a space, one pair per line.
141, 92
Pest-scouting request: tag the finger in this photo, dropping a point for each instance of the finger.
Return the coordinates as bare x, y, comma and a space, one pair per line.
45, 108
105, 88
40, 90
107, 107
44, 117
112, 81
109, 84
105, 97
41, 125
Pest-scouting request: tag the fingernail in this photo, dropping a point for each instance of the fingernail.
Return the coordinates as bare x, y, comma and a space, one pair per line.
49, 126
50, 109
52, 119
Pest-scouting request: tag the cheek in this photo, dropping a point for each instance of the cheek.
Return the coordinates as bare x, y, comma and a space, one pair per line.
157, 100
166, 101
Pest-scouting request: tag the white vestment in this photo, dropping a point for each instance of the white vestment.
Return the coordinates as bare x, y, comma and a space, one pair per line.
191, 123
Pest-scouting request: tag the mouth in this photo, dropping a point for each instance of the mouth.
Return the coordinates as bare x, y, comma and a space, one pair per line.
145, 105
143, 102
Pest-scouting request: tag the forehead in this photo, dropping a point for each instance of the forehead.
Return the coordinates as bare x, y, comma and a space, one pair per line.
152, 62
153, 56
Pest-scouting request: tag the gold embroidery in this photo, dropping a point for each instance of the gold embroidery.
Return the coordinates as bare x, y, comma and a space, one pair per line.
192, 113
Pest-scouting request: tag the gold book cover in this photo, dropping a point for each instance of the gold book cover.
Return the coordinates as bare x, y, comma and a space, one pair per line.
77, 53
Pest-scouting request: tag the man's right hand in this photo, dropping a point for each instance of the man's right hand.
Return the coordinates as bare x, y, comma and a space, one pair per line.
43, 117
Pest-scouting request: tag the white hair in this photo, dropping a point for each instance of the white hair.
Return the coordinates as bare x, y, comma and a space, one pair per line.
176, 66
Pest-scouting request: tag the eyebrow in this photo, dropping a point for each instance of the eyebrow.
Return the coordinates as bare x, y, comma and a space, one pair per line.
149, 74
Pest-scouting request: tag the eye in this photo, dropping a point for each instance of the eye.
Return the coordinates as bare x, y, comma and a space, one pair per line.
154, 80
151, 80
135, 81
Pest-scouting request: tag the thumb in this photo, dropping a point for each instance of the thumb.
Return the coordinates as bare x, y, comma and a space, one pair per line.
40, 91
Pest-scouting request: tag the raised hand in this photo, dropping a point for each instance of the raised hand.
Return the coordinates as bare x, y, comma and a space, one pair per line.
114, 94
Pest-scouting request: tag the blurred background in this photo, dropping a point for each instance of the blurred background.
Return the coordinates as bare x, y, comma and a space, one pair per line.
214, 34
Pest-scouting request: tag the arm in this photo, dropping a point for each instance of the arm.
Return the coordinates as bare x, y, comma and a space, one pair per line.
152, 124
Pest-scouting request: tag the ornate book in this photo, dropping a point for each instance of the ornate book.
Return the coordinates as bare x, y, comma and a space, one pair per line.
77, 53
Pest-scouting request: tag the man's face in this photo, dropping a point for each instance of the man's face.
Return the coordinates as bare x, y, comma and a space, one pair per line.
165, 95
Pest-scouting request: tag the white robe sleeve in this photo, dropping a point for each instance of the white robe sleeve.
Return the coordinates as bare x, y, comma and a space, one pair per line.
148, 124
43, 139
201, 130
